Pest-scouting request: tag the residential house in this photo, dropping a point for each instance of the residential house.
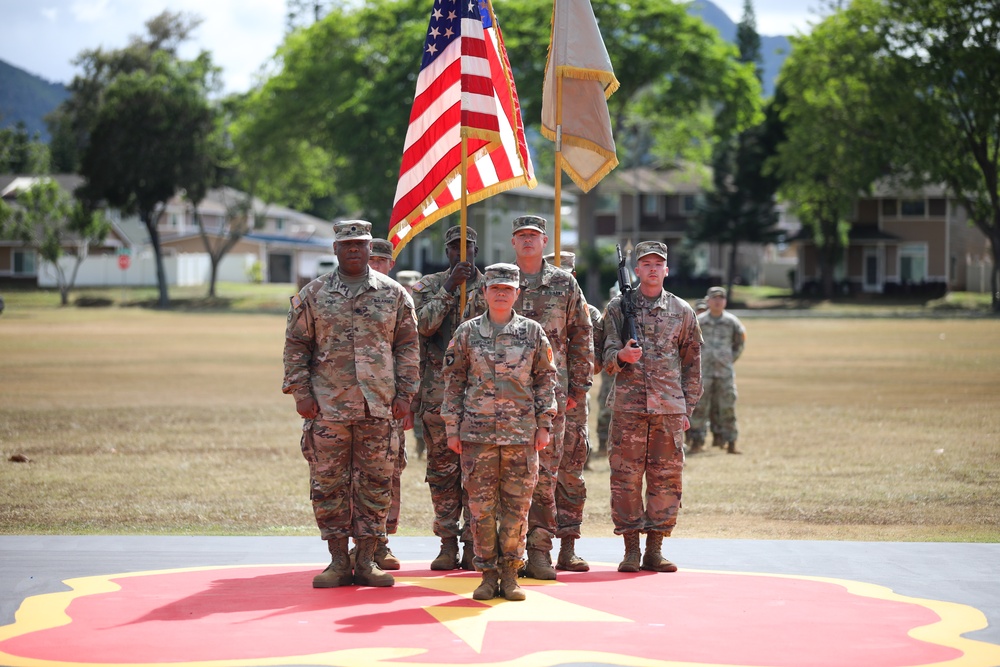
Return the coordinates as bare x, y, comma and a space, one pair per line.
904, 241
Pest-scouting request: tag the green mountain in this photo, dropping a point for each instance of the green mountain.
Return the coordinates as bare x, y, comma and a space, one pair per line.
27, 98
773, 49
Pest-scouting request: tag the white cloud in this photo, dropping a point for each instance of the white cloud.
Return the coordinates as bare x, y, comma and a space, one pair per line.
89, 11
50, 13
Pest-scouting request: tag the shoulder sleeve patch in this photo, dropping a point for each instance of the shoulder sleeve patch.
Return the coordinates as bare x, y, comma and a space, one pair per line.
296, 301
418, 286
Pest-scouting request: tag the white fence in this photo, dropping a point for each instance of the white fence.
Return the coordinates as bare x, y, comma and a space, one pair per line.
182, 270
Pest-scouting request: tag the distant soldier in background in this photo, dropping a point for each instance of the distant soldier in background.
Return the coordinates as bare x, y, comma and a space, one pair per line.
571, 488
498, 406
657, 385
551, 297
436, 298
690, 436
352, 365
725, 337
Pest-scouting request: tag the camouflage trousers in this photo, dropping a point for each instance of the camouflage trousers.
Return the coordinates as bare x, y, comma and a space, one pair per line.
444, 477
650, 446
542, 520
500, 480
715, 410
604, 414
392, 520
571, 488
350, 474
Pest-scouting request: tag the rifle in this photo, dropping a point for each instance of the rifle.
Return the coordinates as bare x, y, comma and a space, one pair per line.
628, 331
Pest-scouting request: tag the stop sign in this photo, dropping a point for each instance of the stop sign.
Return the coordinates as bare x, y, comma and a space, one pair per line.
124, 261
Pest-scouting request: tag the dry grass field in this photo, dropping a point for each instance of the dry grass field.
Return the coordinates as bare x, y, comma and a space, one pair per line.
138, 421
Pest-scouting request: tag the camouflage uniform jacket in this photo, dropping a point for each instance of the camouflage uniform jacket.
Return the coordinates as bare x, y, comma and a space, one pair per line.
336, 343
499, 390
724, 339
667, 378
559, 306
437, 319
579, 413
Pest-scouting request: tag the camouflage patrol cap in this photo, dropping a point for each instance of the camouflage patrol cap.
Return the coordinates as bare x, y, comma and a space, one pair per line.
650, 248
535, 222
381, 248
455, 233
503, 274
700, 305
567, 260
351, 230
716, 291
407, 278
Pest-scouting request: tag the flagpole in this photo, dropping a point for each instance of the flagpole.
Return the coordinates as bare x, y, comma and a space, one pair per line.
557, 216
464, 217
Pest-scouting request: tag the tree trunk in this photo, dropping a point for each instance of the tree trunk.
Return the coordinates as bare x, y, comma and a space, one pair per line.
161, 274
826, 270
732, 268
214, 274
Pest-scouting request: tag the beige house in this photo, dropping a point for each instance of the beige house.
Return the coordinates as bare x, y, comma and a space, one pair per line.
904, 241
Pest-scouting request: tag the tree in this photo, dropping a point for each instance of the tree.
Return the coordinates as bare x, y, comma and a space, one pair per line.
945, 100
21, 153
52, 223
142, 124
835, 137
740, 206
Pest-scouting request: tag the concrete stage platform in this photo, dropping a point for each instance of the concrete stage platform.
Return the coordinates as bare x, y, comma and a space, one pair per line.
246, 601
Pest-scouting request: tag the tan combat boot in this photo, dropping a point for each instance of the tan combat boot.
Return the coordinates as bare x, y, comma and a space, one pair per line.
468, 553
633, 556
338, 572
489, 588
384, 556
653, 560
568, 560
731, 448
447, 558
366, 570
539, 565
696, 446
718, 442
509, 588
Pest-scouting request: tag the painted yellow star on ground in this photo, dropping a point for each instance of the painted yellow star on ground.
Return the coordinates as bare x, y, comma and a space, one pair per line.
469, 623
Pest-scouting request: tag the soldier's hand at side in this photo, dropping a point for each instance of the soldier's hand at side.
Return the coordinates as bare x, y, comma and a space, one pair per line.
459, 275
570, 402
455, 444
541, 439
686, 423
307, 408
631, 353
408, 421
400, 408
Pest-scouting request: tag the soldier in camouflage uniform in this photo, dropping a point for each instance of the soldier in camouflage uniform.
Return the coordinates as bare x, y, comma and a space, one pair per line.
436, 298
551, 297
352, 365
691, 436
381, 260
571, 488
657, 385
499, 402
407, 280
724, 340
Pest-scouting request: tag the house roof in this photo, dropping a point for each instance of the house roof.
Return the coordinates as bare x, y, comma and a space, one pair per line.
686, 179
11, 184
218, 201
857, 234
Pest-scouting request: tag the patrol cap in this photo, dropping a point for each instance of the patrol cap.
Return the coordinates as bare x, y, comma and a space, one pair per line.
650, 248
503, 274
716, 291
455, 233
350, 230
535, 222
700, 305
381, 248
407, 278
567, 260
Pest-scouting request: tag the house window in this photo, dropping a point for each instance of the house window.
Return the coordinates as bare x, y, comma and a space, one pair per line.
913, 208
173, 220
938, 207
913, 262
607, 204
689, 203
24, 262
279, 224
649, 205
889, 208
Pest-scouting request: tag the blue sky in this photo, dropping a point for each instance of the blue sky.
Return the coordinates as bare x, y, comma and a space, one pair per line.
45, 36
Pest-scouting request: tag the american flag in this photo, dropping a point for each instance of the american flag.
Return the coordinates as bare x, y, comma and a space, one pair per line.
465, 89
